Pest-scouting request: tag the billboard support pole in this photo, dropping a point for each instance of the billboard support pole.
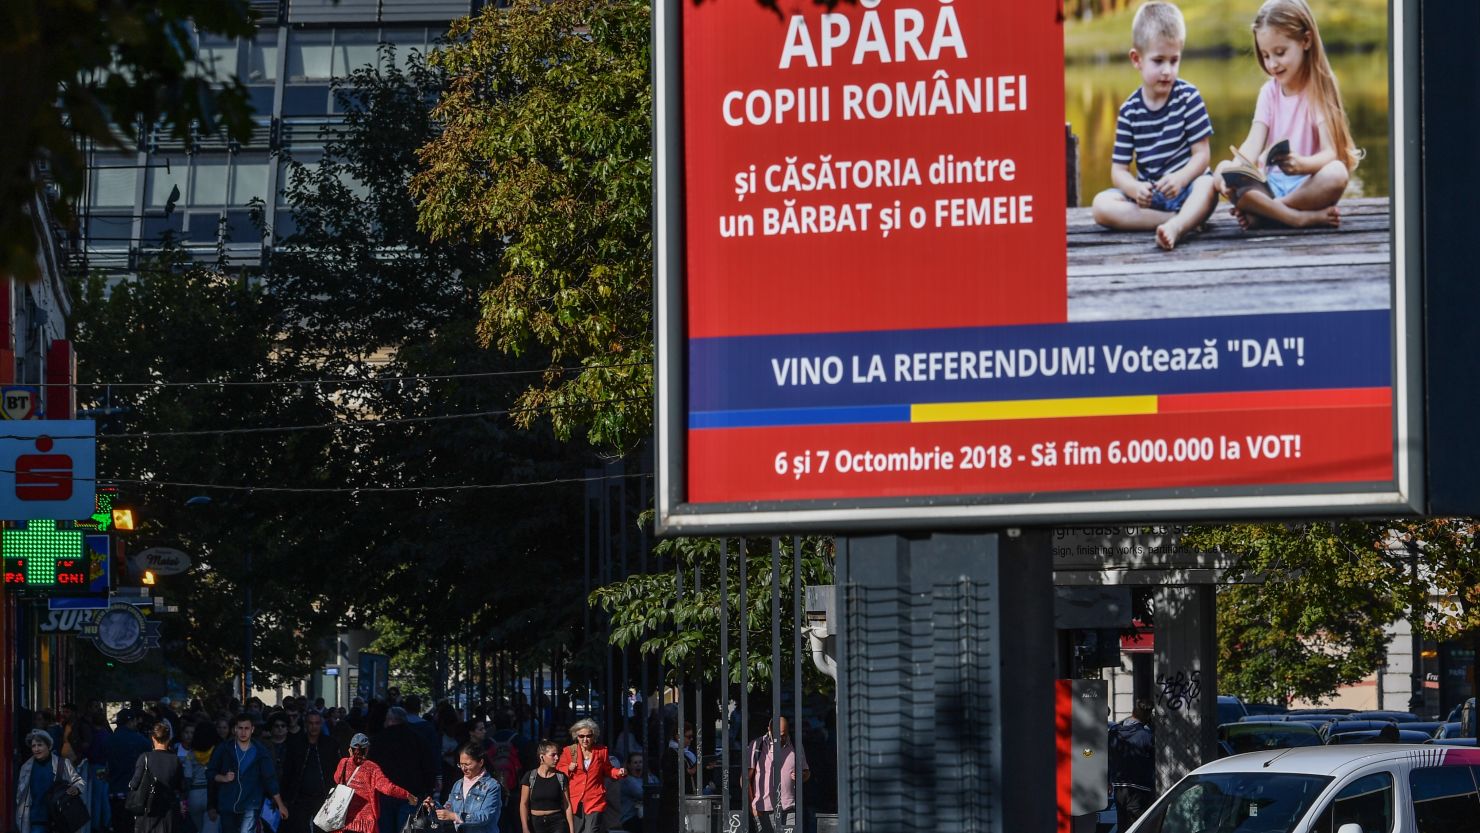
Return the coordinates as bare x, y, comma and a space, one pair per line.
925, 659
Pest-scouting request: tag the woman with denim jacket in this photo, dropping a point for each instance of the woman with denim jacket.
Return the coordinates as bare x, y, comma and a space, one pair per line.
476, 799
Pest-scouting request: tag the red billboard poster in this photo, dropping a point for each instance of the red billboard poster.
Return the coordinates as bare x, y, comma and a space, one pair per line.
937, 262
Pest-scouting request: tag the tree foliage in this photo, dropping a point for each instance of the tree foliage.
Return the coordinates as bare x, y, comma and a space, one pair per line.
354, 293
95, 71
1307, 608
681, 626
545, 146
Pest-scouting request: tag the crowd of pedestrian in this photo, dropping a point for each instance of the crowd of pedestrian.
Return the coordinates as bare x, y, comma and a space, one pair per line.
221, 766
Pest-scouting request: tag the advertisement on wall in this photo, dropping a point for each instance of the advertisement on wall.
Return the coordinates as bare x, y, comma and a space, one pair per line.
926, 262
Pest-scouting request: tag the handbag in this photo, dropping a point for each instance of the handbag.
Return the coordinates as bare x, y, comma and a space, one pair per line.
68, 813
141, 798
421, 821
331, 816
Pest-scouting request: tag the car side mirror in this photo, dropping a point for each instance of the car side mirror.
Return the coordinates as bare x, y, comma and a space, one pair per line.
1350, 827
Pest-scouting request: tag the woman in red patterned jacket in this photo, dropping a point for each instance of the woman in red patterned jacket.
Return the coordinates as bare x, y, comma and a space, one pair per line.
588, 768
365, 778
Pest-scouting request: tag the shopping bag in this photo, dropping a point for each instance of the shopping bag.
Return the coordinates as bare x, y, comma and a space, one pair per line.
332, 815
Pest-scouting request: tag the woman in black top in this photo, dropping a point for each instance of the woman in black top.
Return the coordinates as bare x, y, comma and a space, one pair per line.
158, 772
544, 804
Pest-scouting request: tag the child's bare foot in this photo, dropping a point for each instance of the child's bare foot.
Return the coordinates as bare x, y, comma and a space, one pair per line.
1168, 233
1319, 218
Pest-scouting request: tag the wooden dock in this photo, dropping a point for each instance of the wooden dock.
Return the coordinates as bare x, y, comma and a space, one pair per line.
1117, 275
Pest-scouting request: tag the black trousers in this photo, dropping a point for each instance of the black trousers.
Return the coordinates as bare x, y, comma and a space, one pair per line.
1130, 804
553, 823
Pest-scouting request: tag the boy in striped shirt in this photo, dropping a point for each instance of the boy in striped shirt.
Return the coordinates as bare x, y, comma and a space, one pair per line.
1164, 128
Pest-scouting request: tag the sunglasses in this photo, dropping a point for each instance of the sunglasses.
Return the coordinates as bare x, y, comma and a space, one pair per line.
584, 737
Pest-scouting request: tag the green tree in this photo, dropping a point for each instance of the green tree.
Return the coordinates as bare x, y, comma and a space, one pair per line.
1306, 608
95, 71
545, 147
154, 327
682, 629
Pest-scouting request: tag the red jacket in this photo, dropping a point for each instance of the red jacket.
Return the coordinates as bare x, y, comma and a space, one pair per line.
364, 809
587, 784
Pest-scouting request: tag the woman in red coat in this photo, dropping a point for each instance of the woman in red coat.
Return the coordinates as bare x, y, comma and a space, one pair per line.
588, 767
365, 778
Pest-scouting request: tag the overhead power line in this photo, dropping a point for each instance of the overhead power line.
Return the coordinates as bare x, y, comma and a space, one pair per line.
322, 426
352, 490
350, 381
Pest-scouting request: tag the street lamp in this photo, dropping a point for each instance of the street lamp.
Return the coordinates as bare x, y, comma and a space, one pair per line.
200, 501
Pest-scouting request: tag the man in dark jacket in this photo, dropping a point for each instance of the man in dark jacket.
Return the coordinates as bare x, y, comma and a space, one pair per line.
403, 756
308, 772
1133, 764
124, 749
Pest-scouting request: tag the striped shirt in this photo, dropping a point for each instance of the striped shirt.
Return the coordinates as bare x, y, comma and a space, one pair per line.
1160, 141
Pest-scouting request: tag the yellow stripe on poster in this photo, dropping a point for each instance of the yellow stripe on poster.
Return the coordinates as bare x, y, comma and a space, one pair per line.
1033, 409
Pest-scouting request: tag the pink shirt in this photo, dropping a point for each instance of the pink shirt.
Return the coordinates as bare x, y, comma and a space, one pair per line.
762, 759
1288, 117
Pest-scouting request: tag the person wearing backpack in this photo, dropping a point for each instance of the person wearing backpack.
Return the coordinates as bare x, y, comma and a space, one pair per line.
544, 794
502, 760
589, 768
38, 774
157, 785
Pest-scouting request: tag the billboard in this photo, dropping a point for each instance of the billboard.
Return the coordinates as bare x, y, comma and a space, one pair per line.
929, 263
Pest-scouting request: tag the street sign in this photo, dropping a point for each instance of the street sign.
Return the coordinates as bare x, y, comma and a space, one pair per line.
48, 469
40, 555
20, 402
164, 561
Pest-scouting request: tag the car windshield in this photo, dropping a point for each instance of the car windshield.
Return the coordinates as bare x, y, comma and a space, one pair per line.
1235, 802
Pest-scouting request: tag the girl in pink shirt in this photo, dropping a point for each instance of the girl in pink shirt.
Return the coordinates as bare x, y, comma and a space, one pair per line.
1300, 103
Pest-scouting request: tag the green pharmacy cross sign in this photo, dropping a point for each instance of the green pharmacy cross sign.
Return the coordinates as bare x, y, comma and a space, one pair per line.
40, 555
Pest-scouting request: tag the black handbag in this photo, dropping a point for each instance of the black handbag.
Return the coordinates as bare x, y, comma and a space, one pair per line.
67, 813
422, 821
140, 800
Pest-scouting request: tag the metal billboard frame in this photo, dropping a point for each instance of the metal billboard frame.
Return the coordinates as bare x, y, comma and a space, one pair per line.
676, 516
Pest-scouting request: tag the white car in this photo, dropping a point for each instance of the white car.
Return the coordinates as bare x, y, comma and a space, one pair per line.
1376, 788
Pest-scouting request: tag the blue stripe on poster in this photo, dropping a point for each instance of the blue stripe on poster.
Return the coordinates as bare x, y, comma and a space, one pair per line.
867, 414
1295, 351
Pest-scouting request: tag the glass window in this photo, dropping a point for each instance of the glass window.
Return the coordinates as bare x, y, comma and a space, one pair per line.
309, 100
1366, 802
218, 56
1235, 802
406, 41
105, 231
157, 228
309, 56
203, 226
250, 179
114, 180
208, 179
262, 59
309, 166
1444, 799
354, 49
240, 228
260, 97
159, 182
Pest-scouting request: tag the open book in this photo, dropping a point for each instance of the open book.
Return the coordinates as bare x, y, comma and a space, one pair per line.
1244, 174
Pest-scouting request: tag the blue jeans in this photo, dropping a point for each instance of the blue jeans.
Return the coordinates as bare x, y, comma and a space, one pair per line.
245, 822
97, 791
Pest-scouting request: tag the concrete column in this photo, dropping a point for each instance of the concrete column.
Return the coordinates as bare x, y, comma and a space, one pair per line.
1186, 681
